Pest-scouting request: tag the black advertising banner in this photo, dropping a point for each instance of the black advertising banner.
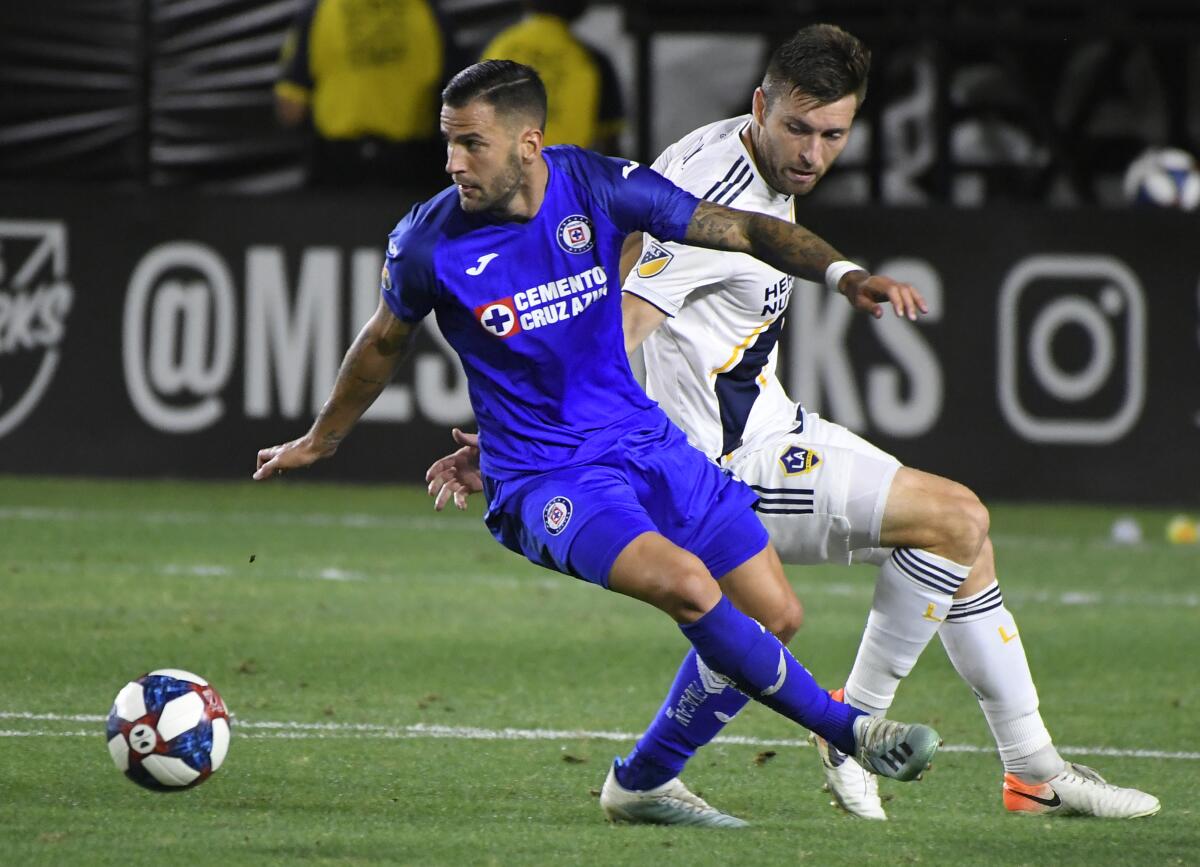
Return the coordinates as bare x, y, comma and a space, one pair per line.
174, 334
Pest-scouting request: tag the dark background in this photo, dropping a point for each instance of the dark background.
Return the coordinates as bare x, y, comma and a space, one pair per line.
127, 126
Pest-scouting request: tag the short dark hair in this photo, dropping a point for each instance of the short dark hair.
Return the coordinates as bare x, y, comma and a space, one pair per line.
821, 61
509, 87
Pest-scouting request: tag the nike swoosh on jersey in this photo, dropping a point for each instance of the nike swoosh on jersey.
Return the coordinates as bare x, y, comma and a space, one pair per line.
476, 270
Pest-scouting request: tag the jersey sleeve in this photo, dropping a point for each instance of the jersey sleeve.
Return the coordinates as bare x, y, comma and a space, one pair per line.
409, 285
636, 198
667, 272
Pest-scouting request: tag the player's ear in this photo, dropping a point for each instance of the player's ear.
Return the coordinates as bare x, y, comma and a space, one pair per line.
758, 106
530, 143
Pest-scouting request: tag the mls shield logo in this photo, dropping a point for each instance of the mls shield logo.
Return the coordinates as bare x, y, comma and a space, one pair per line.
498, 317
36, 297
556, 515
655, 259
575, 234
798, 460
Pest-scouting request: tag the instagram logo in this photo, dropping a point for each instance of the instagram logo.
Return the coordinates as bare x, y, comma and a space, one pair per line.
1072, 345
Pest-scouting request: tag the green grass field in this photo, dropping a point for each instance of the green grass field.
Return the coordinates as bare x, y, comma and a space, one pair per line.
406, 691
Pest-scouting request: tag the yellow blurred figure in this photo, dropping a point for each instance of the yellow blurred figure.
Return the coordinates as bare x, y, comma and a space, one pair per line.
367, 74
581, 86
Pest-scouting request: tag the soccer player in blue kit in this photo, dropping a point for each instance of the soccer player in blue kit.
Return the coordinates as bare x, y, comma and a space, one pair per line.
584, 474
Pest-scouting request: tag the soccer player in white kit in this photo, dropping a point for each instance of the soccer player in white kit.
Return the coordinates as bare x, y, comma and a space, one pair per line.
709, 323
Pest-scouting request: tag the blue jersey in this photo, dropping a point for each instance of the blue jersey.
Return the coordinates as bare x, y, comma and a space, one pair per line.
533, 309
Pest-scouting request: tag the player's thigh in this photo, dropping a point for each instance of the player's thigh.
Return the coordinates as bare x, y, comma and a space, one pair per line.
576, 520
654, 569
822, 492
760, 589
697, 505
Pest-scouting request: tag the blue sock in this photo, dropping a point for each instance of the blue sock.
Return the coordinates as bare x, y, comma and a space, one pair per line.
735, 645
697, 707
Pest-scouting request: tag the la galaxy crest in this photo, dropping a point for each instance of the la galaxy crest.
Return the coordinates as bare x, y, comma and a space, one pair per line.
575, 234
655, 258
556, 514
799, 460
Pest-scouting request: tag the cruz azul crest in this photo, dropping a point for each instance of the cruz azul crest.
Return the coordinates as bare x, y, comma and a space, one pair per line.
556, 515
498, 317
575, 234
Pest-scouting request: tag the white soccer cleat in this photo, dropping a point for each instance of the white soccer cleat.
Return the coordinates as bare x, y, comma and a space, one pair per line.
893, 749
854, 790
669, 804
1077, 790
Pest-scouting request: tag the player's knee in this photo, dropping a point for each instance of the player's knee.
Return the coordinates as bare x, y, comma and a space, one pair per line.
785, 621
966, 523
978, 520
684, 588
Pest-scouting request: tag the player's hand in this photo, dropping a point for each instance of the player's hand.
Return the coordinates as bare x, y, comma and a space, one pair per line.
456, 475
868, 292
292, 455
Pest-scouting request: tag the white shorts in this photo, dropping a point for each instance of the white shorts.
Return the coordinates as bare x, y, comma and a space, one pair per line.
822, 493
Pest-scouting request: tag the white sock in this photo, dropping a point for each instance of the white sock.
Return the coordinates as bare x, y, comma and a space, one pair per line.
913, 594
981, 639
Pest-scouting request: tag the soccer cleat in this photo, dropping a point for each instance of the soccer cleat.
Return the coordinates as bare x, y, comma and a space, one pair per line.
893, 749
854, 790
672, 803
1077, 790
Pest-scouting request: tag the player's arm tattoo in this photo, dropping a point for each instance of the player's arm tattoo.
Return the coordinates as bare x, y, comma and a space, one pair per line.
789, 247
370, 363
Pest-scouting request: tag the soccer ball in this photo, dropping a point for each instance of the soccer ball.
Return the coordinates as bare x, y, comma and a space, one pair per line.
168, 730
1165, 177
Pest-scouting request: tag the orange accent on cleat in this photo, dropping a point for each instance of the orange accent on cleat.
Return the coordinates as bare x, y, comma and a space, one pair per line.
1035, 798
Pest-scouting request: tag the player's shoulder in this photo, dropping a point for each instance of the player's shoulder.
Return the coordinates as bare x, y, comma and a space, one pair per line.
424, 225
582, 164
711, 149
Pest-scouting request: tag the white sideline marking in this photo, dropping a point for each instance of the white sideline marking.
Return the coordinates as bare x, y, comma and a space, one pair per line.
316, 731
843, 589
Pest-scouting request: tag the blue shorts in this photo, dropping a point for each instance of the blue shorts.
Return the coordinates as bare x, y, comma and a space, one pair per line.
578, 519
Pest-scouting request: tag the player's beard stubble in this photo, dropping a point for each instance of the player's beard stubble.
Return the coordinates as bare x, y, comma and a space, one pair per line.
498, 195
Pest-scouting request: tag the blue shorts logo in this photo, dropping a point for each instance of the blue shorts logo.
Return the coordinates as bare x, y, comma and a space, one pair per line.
556, 515
575, 234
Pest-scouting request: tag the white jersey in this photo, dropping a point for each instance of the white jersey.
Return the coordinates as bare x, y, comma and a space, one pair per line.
711, 364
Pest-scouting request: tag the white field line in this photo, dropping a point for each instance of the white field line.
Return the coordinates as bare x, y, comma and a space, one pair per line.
849, 589
373, 731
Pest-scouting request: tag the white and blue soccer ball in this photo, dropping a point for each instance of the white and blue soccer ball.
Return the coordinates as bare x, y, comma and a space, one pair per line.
1164, 177
168, 730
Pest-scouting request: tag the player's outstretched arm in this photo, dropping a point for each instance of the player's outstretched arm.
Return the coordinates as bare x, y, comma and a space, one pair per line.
793, 249
457, 474
368, 367
639, 319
